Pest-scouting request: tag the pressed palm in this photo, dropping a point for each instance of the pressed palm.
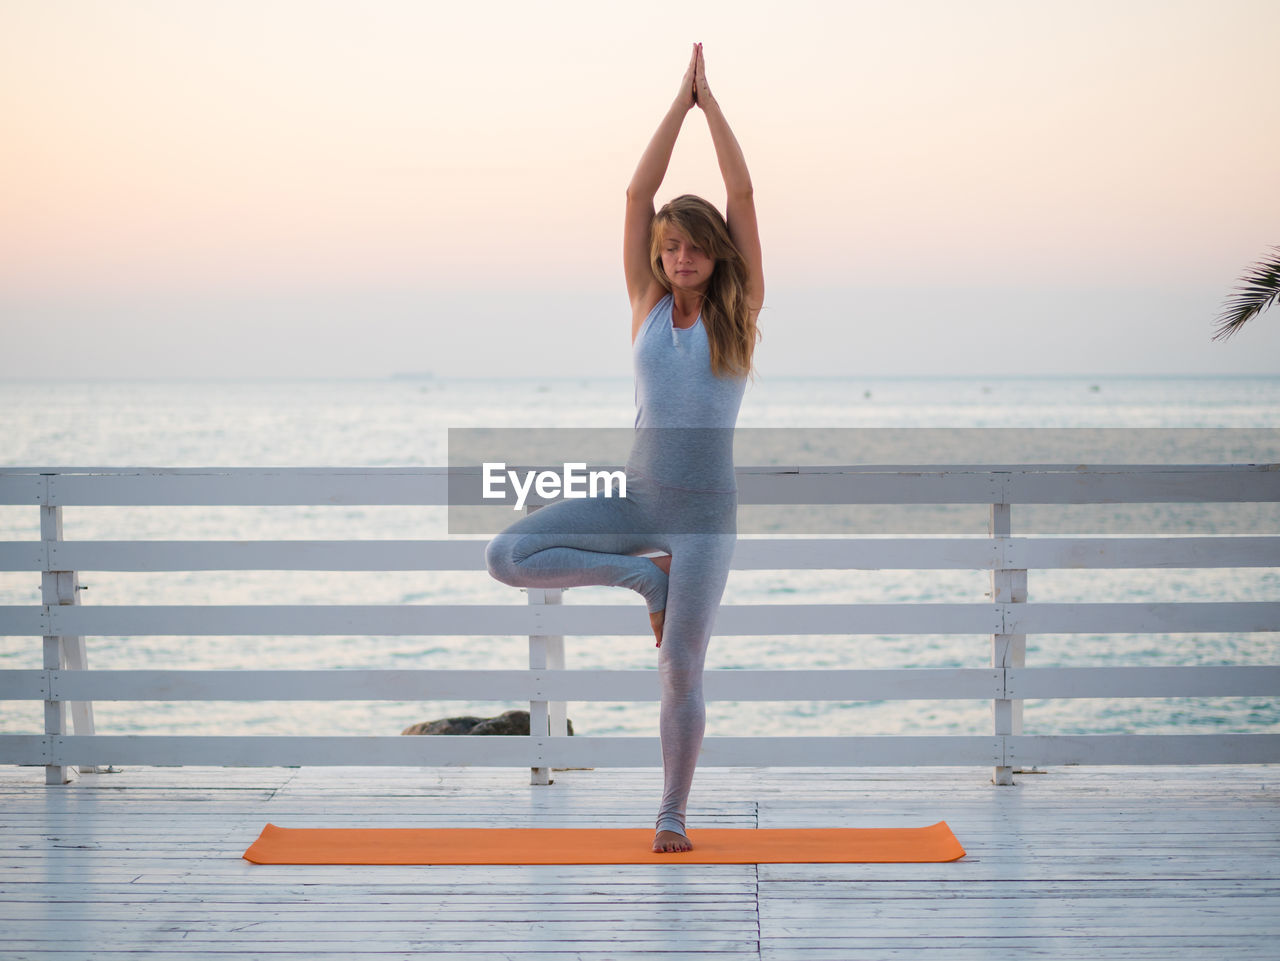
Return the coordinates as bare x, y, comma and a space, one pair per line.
1257, 291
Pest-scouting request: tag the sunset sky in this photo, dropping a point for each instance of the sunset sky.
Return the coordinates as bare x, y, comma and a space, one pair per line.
334, 188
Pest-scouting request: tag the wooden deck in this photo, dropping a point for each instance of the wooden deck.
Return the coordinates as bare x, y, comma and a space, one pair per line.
1159, 863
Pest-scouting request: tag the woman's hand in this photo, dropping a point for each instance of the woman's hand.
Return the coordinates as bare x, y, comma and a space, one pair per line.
701, 92
686, 98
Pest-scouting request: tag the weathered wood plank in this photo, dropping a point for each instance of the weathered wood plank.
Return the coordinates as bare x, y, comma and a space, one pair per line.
1127, 862
515, 946
584, 951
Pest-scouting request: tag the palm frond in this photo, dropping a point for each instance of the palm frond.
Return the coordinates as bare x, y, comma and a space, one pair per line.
1255, 292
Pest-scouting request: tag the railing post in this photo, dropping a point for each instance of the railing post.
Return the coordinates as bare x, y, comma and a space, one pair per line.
61, 588
53, 585
1008, 586
557, 711
546, 651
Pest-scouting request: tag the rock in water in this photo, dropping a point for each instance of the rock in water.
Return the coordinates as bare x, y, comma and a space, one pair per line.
448, 725
510, 723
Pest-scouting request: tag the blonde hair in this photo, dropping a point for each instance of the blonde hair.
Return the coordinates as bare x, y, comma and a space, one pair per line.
731, 331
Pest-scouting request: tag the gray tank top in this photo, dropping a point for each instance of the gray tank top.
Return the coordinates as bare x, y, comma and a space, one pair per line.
685, 414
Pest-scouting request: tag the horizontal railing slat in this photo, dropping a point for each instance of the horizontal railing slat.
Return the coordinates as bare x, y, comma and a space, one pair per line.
1137, 618
317, 750
1102, 553
422, 486
468, 555
376, 555
931, 553
1173, 485
22, 488
835, 484
24, 555
494, 751
485, 619
620, 619
1184, 681
1087, 485
1046, 749
492, 685
611, 685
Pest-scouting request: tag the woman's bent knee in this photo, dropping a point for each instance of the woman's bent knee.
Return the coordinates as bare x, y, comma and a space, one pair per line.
499, 557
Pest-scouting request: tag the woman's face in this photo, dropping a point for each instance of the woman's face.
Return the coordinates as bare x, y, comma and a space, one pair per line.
686, 264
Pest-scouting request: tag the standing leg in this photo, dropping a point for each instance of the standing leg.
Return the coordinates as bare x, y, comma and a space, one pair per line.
699, 571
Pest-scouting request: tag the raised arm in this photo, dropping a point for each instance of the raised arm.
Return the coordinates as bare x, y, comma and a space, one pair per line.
740, 212
641, 284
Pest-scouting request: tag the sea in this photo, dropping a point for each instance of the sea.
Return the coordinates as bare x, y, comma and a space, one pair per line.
404, 420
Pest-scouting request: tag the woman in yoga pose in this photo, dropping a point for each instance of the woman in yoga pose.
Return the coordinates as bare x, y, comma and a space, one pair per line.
696, 286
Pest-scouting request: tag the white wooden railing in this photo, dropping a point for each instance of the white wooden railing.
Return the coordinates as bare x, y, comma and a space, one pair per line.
66, 682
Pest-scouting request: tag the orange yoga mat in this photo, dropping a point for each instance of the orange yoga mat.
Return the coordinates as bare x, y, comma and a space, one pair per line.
279, 845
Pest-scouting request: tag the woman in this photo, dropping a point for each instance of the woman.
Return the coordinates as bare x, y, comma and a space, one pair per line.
696, 286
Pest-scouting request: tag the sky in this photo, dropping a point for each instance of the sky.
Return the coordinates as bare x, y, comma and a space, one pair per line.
314, 188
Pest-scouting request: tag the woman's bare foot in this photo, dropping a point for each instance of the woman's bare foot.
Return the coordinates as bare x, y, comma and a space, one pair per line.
657, 618
665, 842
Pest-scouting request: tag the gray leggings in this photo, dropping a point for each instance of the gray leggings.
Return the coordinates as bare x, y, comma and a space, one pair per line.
593, 541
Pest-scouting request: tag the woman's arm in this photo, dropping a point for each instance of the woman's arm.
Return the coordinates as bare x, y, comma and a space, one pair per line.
741, 208
644, 186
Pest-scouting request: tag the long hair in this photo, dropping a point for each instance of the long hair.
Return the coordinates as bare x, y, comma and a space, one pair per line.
731, 331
